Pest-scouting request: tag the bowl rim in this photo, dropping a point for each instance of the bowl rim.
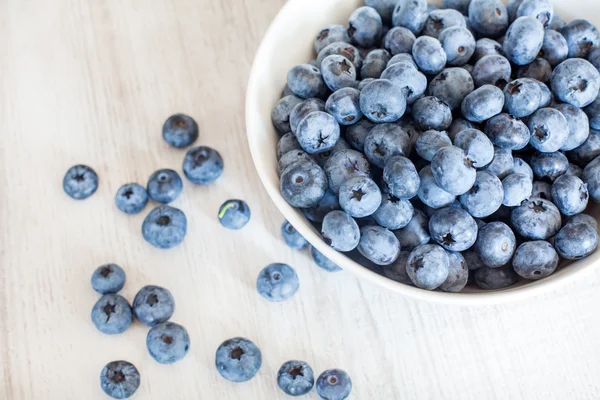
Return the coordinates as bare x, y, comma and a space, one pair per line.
255, 119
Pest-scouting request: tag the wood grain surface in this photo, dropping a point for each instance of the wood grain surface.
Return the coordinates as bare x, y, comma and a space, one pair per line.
92, 82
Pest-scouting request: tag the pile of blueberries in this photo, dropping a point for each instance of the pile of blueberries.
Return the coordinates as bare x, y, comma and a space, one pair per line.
237, 359
441, 146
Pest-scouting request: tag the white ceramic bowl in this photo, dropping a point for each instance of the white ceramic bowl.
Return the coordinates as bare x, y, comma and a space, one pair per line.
288, 42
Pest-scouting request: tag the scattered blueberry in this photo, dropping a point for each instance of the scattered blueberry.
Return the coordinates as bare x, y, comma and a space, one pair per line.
80, 182
112, 314
164, 227
153, 305
168, 342
295, 378
180, 131
131, 198
292, 238
109, 278
322, 261
277, 282
234, 214
120, 379
164, 186
203, 165
334, 384
238, 359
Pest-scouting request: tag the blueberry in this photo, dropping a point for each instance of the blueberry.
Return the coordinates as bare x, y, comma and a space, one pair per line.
453, 170
576, 241
277, 282
344, 49
450, 86
397, 270
302, 109
478, 148
541, 10
443, 19
495, 278
486, 47
393, 213
549, 166
285, 144
322, 261
295, 378
523, 40
594, 57
547, 98
492, 70
203, 165
109, 278
356, 134
483, 103
340, 231
522, 98
576, 81
403, 57
570, 194
378, 245
416, 233
584, 219
459, 124
453, 228
303, 184
429, 54
164, 227
385, 8
589, 150
535, 260
168, 342
578, 123
365, 26
306, 81
80, 182
539, 70
430, 193
593, 113
329, 35
428, 266
131, 198
459, 5
488, 17
318, 132
409, 126
112, 314
382, 101
536, 219
549, 130
338, 72
485, 197
574, 170
472, 260
120, 379
399, 40
581, 37
322, 158
292, 157
343, 165
153, 305
430, 142
238, 359
384, 142
180, 130
401, 177
431, 113
375, 63
458, 273
556, 22
360, 196
502, 164
411, 14
495, 244
334, 384
554, 48
542, 190
517, 188
164, 186
521, 167
458, 44
405, 75
292, 238
234, 214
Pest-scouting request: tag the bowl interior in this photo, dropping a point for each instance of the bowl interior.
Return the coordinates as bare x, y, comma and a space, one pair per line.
288, 42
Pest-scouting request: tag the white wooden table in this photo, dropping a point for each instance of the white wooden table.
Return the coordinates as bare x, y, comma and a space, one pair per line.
92, 82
